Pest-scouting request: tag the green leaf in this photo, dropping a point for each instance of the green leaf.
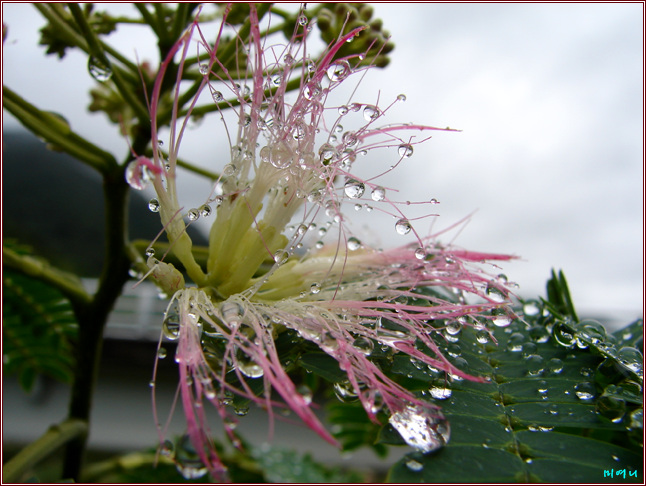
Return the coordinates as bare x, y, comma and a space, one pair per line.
282, 465
540, 416
558, 296
38, 330
323, 365
352, 427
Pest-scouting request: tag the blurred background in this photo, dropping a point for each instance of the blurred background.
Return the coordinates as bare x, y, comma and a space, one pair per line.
549, 162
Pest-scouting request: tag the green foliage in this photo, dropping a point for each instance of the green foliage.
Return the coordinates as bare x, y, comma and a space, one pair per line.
281, 465
553, 410
334, 20
38, 329
58, 40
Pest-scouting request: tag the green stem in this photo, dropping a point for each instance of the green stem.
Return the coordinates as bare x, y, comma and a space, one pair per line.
92, 318
68, 284
53, 439
56, 131
88, 34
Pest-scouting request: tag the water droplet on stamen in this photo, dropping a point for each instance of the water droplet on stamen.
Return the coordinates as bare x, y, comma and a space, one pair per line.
405, 150
193, 214
339, 70
370, 113
232, 313
378, 194
205, 210
353, 243
281, 257
204, 69
153, 205
403, 226
171, 323
354, 189
138, 175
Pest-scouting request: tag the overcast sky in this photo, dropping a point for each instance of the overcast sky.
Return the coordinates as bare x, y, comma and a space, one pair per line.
549, 98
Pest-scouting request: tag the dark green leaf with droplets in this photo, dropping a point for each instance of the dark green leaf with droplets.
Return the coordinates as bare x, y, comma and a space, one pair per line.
527, 423
38, 328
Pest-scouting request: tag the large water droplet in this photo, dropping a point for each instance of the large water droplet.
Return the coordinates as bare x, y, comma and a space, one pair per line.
563, 334
326, 153
440, 392
232, 313
370, 113
413, 465
280, 156
494, 293
138, 175
281, 256
250, 368
531, 308
364, 345
339, 70
98, 69
425, 431
354, 189
535, 365
193, 214
378, 194
403, 226
555, 366
353, 243
585, 391
171, 323
500, 318
350, 140
632, 359
345, 392
187, 460
611, 408
515, 342
205, 210
153, 205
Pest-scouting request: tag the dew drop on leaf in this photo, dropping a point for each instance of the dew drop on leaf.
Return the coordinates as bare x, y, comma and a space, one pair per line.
424, 430
585, 391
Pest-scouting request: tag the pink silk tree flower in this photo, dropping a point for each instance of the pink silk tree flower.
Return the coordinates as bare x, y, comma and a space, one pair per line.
281, 257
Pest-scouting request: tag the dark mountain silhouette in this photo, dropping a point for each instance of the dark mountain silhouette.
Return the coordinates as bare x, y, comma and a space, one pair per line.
54, 203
